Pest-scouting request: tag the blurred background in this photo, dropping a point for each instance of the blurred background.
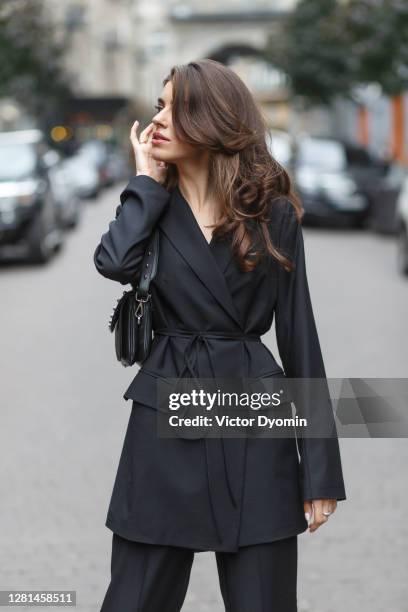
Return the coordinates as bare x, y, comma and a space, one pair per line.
331, 78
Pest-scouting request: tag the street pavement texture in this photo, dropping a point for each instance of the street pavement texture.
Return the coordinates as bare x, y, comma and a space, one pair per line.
63, 419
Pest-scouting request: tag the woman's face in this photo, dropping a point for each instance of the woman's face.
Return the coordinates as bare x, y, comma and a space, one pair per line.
172, 149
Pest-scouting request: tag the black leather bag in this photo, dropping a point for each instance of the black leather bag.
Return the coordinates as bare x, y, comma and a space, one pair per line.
131, 319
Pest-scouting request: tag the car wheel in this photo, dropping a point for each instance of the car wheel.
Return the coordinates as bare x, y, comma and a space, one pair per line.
361, 220
78, 213
73, 221
403, 250
74, 218
43, 237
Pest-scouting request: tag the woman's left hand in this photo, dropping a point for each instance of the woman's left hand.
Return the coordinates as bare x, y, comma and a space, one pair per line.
316, 509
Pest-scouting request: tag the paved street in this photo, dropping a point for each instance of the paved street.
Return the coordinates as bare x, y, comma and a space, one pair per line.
63, 419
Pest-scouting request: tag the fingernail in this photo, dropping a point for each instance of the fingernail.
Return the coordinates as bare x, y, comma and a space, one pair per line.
307, 516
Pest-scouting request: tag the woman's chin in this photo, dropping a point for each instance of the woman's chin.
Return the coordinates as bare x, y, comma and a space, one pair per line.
159, 158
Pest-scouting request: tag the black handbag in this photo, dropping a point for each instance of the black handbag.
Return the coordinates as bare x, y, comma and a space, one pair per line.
131, 319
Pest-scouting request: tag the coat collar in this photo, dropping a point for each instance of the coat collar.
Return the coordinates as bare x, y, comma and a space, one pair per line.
182, 229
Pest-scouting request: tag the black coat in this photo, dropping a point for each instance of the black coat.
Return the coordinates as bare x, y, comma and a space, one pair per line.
214, 493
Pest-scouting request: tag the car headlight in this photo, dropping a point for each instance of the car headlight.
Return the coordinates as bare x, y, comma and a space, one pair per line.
26, 199
9, 205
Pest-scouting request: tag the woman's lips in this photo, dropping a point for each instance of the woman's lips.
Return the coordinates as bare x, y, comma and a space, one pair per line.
157, 138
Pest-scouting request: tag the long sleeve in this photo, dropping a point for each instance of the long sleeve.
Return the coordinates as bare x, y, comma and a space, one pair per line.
300, 352
119, 254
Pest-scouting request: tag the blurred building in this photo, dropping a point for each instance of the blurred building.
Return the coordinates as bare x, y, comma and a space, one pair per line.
100, 64
101, 44
233, 32
119, 51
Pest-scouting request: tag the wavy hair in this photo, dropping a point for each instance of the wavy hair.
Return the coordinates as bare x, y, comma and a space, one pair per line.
213, 109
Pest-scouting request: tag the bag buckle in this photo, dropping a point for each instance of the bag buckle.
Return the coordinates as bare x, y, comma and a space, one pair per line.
146, 299
139, 310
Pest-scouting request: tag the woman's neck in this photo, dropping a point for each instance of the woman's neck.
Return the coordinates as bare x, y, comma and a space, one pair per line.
193, 183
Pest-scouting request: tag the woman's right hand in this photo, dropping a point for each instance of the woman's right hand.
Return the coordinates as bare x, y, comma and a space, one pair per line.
142, 147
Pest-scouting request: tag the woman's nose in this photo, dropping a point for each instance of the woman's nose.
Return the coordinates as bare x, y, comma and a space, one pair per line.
157, 123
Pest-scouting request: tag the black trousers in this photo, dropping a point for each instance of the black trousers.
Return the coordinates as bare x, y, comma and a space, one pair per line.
154, 578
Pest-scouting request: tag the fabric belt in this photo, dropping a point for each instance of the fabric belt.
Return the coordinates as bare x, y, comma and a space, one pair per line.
203, 336
230, 448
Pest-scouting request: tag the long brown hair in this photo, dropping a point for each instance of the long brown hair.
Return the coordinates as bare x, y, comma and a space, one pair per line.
214, 110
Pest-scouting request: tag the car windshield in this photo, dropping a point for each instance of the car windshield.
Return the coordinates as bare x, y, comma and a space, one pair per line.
323, 154
17, 161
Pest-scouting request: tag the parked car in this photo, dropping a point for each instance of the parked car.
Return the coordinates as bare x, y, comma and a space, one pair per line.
28, 210
84, 175
117, 167
342, 183
384, 196
97, 153
64, 191
402, 225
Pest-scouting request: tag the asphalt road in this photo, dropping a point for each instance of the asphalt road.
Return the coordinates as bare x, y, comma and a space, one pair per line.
63, 419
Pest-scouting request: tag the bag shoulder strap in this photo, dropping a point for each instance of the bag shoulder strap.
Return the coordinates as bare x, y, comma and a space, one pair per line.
149, 265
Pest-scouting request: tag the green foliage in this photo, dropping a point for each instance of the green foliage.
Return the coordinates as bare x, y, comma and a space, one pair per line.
312, 49
326, 47
378, 32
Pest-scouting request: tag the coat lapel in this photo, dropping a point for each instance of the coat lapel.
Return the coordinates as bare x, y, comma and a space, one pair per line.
182, 229
222, 252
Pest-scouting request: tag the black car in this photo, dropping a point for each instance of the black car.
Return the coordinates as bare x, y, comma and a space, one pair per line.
28, 211
342, 183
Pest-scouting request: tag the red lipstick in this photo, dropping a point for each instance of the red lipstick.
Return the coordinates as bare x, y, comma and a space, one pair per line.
158, 137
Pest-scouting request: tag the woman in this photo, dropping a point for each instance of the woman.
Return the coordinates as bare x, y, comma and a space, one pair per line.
231, 258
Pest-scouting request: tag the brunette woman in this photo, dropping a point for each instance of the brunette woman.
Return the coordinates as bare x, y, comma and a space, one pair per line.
231, 261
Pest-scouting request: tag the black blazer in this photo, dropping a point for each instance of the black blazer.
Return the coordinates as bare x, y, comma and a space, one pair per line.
200, 289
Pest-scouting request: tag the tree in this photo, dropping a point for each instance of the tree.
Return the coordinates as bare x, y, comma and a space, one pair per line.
378, 34
331, 48
313, 48
378, 30
327, 47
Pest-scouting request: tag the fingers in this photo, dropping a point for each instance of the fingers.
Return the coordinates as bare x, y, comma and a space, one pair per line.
331, 505
308, 510
144, 135
142, 147
320, 507
161, 169
318, 517
133, 133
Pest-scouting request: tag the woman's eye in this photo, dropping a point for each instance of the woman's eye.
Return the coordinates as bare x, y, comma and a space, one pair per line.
158, 108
